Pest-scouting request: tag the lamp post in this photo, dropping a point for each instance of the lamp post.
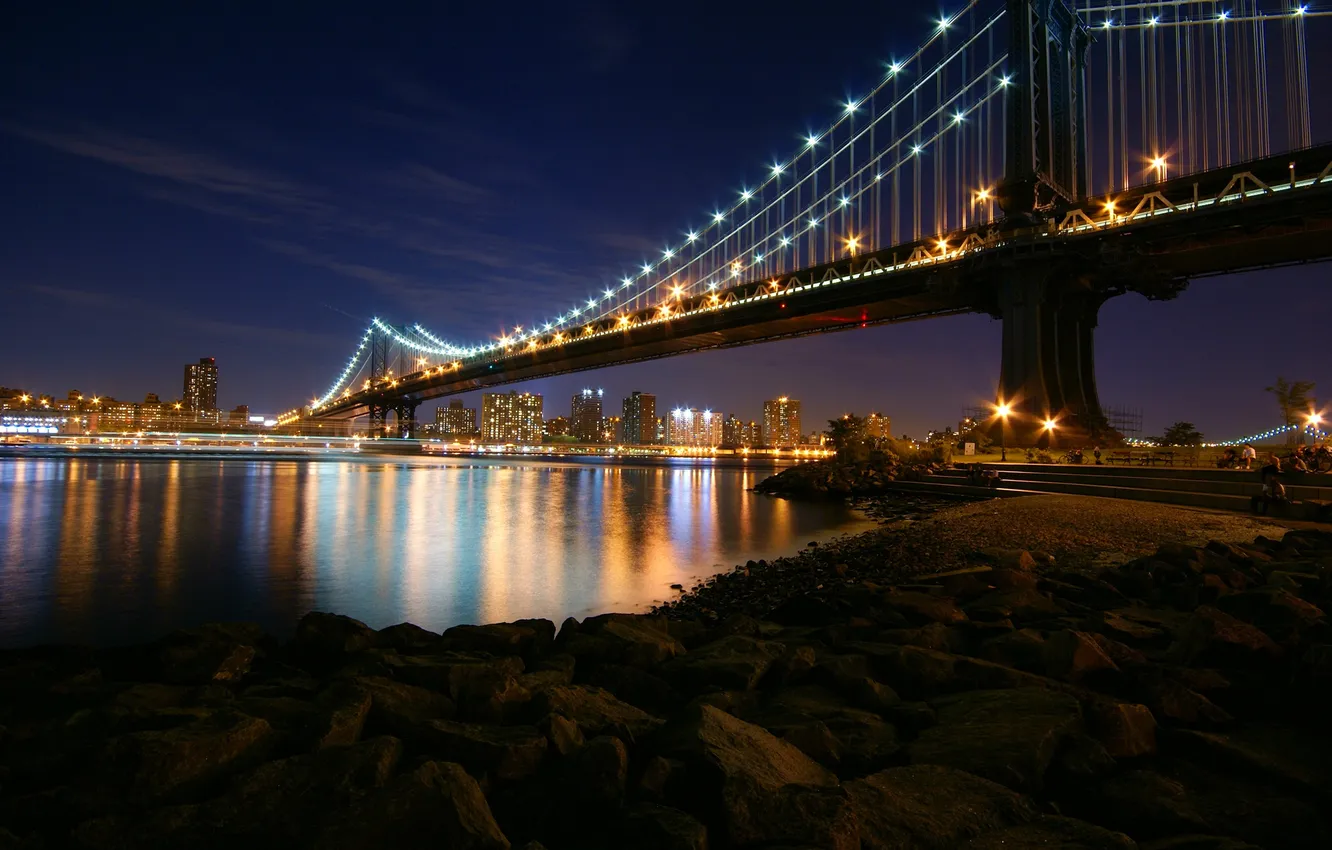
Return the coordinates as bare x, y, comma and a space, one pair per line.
1312, 423
1003, 410
1049, 426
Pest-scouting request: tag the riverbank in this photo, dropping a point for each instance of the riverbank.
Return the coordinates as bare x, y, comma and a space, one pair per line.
1174, 700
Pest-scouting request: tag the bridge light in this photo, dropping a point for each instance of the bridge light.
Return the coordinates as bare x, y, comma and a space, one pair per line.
1300, 10
745, 194
1108, 23
664, 310
532, 345
1005, 81
959, 117
712, 285
624, 320
587, 329
785, 242
812, 140
813, 222
692, 236
1225, 15
758, 258
916, 149
851, 106
944, 23
718, 217
983, 195
1151, 22
608, 294
942, 244
668, 253
458, 365
677, 291
1003, 410
647, 268
777, 169
852, 243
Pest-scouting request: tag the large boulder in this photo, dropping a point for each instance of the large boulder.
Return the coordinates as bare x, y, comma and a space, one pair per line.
923, 608
398, 708
636, 640
1077, 657
324, 640
753, 786
1047, 832
157, 765
528, 638
214, 652
340, 713
436, 805
501, 752
1007, 736
484, 687
928, 807
1212, 637
596, 711
652, 827
735, 662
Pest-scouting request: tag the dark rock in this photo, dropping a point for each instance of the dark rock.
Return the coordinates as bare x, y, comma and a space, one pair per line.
161, 764
923, 608
1080, 760
651, 827
864, 742
563, 734
407, 639
1214, 638
1199, 842
397, 708
1022, 606
436, 805
483, 687
817, 741
501, 752
598, 772
340, 715
934, 636
738, 773
1077, 657
527, 638
597, 712
1010, 559
632, 639
734, 662
1007, 736
636, 687
1023, 649
916, 672
792, 667
931, 807
325, 639
1126, 730
804, 610
657, 776
1282, 757
1277, 612
1060, 832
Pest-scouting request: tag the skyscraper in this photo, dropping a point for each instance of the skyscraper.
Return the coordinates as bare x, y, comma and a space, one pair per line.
455, 420
200, 395
585, 416
878, 426
511, 417
694, 427
733, 433
781, 422
640, 419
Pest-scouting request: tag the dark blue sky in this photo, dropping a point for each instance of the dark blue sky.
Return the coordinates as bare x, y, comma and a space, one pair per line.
254, 181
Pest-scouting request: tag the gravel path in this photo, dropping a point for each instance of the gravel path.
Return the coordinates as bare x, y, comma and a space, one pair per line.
1081, 532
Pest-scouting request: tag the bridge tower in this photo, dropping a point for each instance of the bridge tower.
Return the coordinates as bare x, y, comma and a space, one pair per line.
379, 359
1048, 308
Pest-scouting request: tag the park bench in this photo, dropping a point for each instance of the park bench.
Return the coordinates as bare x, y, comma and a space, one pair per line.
1120, 457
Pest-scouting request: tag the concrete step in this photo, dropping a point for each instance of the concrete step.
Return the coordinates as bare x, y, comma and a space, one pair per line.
1028, 476
1320, 480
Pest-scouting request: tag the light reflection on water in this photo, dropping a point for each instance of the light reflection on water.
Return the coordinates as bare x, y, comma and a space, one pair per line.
115, 550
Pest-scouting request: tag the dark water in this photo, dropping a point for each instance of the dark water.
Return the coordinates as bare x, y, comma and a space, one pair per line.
116, 550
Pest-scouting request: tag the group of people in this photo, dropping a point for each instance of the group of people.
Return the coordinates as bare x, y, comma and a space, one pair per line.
1315, 458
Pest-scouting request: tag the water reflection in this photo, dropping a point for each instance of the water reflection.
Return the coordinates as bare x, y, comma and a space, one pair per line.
117, 550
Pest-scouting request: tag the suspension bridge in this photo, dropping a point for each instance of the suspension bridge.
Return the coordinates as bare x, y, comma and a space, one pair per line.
1030, 160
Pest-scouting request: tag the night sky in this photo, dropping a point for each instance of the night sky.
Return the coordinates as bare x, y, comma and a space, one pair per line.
253, 182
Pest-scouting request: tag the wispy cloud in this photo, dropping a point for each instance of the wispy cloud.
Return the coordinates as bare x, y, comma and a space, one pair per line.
390, 283
104, 302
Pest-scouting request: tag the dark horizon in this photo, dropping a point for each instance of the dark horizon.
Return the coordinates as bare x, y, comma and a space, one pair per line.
188, 184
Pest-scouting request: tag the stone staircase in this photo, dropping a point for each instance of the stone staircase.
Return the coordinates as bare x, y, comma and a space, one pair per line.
1217, 489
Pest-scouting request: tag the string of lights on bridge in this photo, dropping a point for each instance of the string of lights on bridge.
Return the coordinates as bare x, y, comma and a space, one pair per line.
724, 225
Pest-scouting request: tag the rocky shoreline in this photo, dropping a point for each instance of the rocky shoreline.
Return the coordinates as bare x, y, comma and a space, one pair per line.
1175, 701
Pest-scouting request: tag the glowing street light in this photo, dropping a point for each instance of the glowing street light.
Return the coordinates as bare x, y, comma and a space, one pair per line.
852, 243
1002, 411
1159, 164
777, 169
1049, 427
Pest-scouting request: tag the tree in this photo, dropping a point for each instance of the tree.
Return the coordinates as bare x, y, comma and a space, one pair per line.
1180, 434
1292, 397
850, 438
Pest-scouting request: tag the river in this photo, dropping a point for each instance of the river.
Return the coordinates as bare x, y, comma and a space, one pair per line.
114, 550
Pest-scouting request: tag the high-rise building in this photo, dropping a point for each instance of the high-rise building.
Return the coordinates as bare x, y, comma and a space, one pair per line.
200, 393
696, 428
456, 420
585, 416
878, 426
640, 419
557, 427
781, 422
511, 417
734, 433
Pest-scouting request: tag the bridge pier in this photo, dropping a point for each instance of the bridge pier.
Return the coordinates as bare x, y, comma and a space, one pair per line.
1048, 364
405, 416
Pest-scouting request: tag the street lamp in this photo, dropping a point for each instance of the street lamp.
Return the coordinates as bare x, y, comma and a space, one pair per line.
1315, 419
1159, 164
1002, 412
1049, 426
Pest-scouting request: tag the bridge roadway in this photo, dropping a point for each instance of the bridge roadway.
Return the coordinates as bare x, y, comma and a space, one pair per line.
1151, 239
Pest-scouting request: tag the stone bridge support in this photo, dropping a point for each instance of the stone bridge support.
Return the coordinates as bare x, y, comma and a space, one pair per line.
1048, 365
